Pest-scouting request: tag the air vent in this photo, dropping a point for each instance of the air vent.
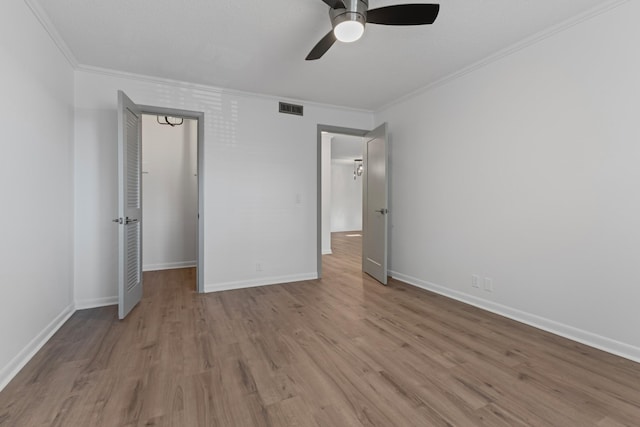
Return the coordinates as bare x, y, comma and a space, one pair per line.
291, 109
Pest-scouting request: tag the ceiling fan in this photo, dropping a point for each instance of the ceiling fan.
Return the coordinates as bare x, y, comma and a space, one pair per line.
348, 18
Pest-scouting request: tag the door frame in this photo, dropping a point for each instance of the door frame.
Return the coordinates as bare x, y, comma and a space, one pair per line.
199, 117
328, 129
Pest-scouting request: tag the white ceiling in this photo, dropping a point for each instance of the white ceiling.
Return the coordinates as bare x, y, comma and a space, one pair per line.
259, 46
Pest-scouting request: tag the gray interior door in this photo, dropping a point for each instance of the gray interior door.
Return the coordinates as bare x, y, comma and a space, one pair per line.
375, 204
129, 205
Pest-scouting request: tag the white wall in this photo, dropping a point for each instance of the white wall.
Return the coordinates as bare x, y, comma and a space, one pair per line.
36, 181
326, 193
346, 197
169, 194
527, 171
260, 182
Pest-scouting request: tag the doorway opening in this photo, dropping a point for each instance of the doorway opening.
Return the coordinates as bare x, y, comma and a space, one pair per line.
170, 196
369, 163
342, 185
344, 151
130, 244
173, 190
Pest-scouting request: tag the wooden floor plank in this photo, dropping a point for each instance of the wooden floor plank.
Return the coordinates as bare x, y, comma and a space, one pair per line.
340, 351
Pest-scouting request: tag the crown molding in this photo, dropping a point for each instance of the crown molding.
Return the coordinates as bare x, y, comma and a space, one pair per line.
211, 89
48, 26
514, 48
46, 23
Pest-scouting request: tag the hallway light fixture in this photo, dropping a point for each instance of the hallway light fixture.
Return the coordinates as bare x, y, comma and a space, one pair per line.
358, 168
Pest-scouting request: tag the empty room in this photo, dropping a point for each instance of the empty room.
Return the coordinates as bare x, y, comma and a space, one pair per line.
386, 213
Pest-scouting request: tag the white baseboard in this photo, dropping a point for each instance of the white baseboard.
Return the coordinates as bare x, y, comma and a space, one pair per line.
263, 281
585, 337
96, 302
21, 359
169, 265
327, 252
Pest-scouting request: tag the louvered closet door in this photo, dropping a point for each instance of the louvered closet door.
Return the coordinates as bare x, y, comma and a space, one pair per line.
130, 204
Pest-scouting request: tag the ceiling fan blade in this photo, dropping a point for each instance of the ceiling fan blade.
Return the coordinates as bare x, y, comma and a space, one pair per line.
322, 47
404, 14
335, 4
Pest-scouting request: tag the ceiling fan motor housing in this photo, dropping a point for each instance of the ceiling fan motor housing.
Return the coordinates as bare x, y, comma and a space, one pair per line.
356, 10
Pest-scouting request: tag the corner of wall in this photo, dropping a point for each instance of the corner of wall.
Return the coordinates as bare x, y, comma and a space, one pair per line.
8, 372
48, 26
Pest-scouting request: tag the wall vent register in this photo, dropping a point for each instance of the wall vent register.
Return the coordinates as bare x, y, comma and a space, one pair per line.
291, 109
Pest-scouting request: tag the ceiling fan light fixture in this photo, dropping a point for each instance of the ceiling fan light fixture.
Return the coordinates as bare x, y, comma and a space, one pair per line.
349, 17
349, 30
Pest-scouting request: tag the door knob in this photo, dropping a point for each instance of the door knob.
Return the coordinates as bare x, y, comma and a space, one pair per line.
383, 211
131, 220
118, 220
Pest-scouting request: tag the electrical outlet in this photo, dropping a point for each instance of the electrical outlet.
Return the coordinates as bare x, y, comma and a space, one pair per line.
475, 281
488, 284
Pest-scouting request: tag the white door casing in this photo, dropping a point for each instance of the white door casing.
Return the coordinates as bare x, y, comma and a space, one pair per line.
129, 205
375, 204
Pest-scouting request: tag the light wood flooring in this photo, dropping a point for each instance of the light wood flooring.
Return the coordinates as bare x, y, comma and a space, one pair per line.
341, 351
